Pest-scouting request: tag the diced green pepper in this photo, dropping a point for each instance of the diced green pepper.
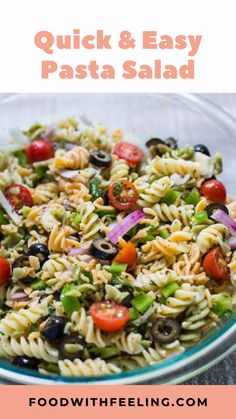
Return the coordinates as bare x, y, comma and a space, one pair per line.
53, 368
134, 314
170, 197
104, 212
70, 302
162, 300
40, 172
12, 240
105, 353
117, 268
169, 289
142, 302
147, 238
117, 280
94, 188
26, 211
38, 285
77, 218
222, 304
3, 218
201, 217
21, 157
164, 234
192, 198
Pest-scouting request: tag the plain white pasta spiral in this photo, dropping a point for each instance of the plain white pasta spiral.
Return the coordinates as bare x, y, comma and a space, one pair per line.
153, 355
58, 264
196, 317
164, 212
89, 223
119, 170
179, 302
211, 236
166, 167
17, 322
150, 194
76, 158
150, 281
32, 346
88, 368
114, 294
84, 325
130, 343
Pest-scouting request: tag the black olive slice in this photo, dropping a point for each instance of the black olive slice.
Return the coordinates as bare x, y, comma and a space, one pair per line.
71, 347
127, 301
28, 279
26, 362
100, 158
103, 249
40, 251
20, 262
153, 142
165, 330
157, 147
171, 142
54, 329
201, 148
210, 209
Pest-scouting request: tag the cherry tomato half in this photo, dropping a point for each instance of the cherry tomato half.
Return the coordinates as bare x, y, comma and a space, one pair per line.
214, 190
109, 316
18, 196
5, 270
129, 152
122, 195
215, 265
127, 255
39, 150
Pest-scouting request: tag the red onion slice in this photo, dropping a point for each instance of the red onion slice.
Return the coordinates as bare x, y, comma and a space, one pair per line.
125, 225
223, 218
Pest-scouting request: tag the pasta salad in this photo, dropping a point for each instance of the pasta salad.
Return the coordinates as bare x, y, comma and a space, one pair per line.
111, 258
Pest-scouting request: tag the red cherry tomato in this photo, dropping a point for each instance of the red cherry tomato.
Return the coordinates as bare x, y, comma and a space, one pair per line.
127, 255
215, 265
129, 152
39, 150
214, 190
109, 316
122, 195
5, 270
18, 196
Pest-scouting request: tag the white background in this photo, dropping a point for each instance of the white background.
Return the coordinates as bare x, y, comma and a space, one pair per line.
20, 20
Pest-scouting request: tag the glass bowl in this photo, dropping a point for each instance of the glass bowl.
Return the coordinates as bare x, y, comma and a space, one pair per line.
189, 118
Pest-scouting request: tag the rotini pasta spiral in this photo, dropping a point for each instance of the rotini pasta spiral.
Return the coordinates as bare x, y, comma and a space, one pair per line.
32, 346
163, 212
17, 322
165, 167
150, 194
211, 236
119, 170
74, 159
88, 368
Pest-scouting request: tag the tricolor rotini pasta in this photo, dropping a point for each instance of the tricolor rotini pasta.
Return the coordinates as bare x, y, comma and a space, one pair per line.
110, 258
